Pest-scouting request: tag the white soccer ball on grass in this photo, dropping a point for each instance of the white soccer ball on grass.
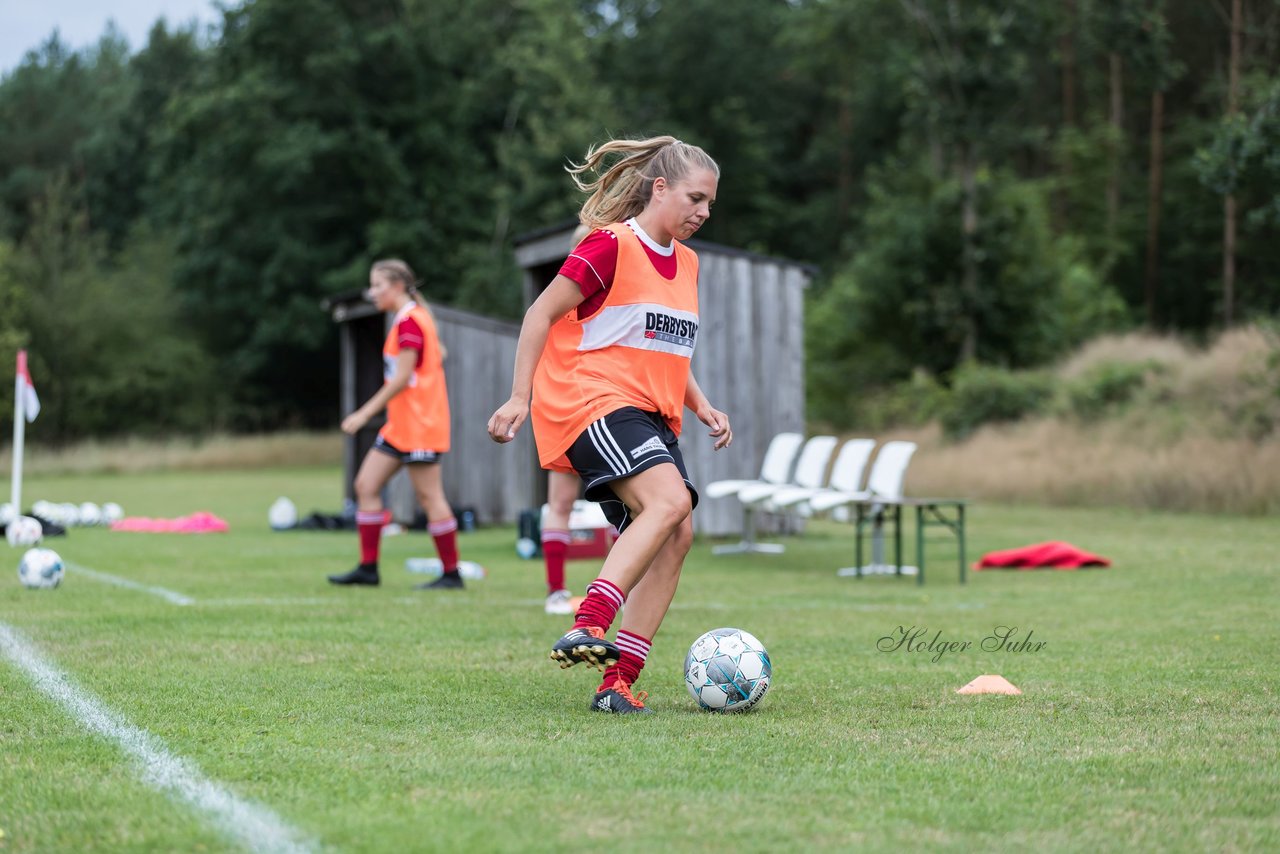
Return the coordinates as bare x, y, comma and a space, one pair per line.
727, 670
24, 531
68, 514
40, 569
282, 515
90, 514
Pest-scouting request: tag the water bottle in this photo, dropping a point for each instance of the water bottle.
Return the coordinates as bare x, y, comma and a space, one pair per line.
431, 566
424, 565
471, 570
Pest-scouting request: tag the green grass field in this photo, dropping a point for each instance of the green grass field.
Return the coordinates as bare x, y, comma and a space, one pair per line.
394, 720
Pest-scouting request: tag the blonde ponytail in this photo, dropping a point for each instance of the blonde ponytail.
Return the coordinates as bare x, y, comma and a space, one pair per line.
623, 188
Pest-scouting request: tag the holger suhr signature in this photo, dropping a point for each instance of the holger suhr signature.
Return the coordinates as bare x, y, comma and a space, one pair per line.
913, 639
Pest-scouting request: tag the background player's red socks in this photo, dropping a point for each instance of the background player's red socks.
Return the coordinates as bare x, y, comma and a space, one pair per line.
369, 525
555, 544
445, 533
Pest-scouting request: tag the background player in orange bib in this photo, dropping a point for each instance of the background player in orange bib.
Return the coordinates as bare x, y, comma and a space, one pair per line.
562, 491
604, 355
417, 430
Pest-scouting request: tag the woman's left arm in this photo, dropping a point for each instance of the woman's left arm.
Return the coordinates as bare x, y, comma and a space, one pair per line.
697, 403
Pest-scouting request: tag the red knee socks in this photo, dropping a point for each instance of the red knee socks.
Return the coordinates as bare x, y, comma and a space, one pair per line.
555, 545
633, 652
604, 598
369, 525
445, 533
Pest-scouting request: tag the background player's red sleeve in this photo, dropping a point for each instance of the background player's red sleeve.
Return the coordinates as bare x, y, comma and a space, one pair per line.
410, 337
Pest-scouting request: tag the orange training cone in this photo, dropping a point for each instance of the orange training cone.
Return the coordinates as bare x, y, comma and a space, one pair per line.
989, 684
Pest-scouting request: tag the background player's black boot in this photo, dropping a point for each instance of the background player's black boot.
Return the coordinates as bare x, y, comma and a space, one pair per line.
365, 573
447, 581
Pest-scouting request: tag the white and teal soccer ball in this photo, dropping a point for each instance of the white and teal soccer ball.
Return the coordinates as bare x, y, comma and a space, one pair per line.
727, 670
90, 514
111, 512
68, 514
24, 531
40, 569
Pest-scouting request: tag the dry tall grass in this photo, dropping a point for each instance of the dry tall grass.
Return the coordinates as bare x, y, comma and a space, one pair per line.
1052, 462
1131, 347
213, 452
1204, 436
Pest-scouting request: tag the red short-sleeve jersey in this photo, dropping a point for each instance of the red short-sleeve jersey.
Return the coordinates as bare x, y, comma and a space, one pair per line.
593, 262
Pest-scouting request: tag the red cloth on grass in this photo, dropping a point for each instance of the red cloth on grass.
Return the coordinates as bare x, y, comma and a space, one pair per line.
1058, 555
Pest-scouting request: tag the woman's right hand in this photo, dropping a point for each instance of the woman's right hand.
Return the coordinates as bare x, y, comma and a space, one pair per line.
507, 420
354, 422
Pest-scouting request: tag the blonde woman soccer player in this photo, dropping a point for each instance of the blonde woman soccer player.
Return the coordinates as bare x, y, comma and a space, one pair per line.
604, 355
416, 434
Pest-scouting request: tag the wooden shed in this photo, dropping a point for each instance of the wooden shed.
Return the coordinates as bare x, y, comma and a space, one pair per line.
749, 361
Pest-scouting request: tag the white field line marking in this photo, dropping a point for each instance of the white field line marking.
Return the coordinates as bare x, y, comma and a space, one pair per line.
267, 600
168, 595
254, 827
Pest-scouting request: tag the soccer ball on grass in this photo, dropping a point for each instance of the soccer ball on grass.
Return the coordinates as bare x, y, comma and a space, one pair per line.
727, 670
65, 514
24, 531
40, 569
90, 514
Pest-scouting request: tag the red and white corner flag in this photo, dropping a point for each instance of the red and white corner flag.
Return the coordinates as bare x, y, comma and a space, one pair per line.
25, 403
25, 391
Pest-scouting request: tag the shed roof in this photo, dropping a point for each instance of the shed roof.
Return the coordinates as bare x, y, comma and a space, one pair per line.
352, 305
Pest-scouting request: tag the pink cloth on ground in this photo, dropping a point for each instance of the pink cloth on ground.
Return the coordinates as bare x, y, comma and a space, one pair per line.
196, 523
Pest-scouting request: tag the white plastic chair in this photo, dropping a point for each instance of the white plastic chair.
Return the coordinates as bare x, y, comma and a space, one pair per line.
884, 483
884, 487
810, 469
846, 476
775, 469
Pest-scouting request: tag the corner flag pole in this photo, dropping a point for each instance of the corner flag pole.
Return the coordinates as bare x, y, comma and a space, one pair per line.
19, 423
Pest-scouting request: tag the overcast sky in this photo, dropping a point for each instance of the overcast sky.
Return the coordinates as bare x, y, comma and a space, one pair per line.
24, 24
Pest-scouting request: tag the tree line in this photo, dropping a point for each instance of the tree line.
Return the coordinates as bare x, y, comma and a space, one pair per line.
978, 182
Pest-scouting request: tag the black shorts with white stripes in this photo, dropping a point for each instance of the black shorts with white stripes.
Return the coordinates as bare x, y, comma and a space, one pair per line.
415, 456
621, 444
